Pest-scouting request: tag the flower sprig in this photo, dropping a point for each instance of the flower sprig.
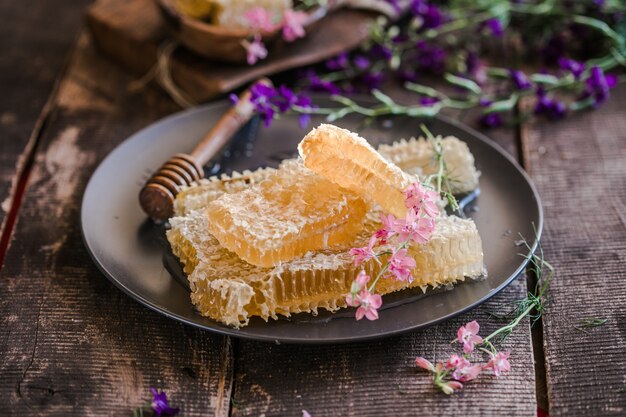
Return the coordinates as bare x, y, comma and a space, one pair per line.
447, 42
392, 242
158, 407
450, 375
291, 24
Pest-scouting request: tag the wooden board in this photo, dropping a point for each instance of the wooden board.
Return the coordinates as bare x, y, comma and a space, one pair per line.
579, 167
30, 62
71, 343
80, 346
130, 33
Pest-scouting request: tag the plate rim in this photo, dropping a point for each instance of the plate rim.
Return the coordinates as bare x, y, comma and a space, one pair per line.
228, 331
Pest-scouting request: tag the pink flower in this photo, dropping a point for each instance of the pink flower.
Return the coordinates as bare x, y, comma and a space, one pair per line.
305, 413
401, 265
421, 199
364, 254
388, 230
454, 361
429, 205
468, 336
362, 279
450, 386
256, 49
424, 364
499, 363
293, 25
465, 371
259, 18
412, 227
368, 304
359, 283
414, 194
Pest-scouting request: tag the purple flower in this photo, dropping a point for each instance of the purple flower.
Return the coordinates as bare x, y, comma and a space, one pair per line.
304, 119
373, 80
380, 51
268, 101
491, 119
575, 67
361, 62
338, 63
407, 74
552, 109
431, 15
494, 26
160, 405
520, 80
598, 85
317, 84
430, 58
474, 68
429, 101
262, 96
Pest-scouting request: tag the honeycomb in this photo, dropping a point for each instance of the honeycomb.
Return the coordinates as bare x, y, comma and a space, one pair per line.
230, 290
292, 212
346, 159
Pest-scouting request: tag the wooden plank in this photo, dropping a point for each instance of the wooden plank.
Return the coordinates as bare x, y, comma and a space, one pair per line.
380, 378
579, 167
30, 62
72, 344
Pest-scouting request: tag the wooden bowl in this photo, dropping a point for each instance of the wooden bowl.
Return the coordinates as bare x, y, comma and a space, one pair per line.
220, 43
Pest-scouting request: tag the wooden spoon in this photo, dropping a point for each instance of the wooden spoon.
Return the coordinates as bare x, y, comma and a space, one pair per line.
158, 194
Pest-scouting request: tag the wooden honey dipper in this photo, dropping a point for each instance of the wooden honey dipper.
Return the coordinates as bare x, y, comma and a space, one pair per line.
158, 193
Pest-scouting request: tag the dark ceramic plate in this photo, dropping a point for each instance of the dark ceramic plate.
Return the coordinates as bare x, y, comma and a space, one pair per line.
129, 250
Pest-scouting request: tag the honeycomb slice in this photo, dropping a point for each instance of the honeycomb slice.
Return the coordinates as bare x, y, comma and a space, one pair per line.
229, 290
346, 159
414, 156
292, 212
204, 191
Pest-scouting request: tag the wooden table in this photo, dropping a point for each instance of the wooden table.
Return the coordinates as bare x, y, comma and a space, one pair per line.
72, 344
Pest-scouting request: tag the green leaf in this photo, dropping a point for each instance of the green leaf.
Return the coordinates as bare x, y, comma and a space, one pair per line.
383, 98
423, 89
498, 72
463, 83
343, 100
502, 105
339, 114
423, 111
601, 26
581, 105
544, 79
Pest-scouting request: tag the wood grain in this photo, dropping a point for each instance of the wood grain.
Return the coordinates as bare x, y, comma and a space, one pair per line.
30, 62
380, 378
71, 343
579, 167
